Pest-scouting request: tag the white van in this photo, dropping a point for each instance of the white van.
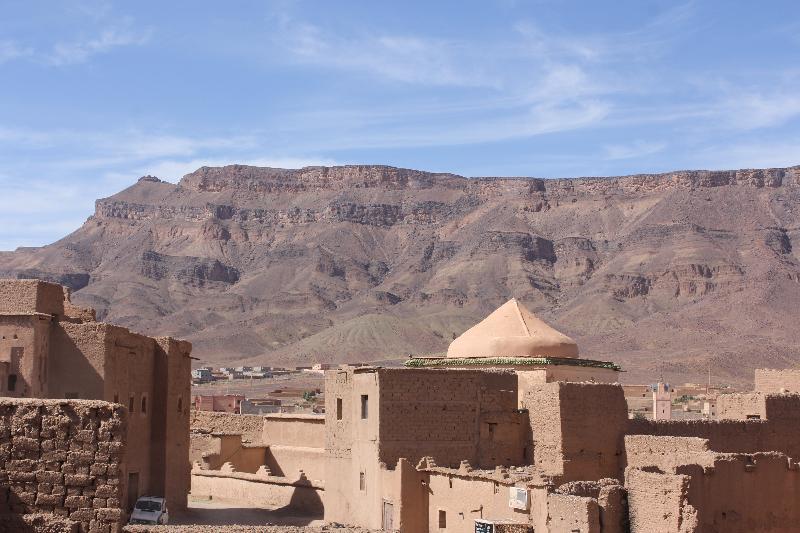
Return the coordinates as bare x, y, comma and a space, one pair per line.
150, 510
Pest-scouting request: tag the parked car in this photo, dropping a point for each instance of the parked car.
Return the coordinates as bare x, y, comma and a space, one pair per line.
150, 510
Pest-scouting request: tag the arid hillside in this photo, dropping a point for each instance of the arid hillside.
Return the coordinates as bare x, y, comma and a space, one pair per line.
662, 273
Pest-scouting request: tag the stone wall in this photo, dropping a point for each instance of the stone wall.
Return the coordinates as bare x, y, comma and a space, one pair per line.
63, 457
769, 380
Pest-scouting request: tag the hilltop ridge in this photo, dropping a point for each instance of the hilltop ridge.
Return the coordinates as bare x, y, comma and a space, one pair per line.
663, 273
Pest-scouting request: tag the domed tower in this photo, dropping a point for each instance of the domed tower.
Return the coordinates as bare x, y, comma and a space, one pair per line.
512, 331
513, 337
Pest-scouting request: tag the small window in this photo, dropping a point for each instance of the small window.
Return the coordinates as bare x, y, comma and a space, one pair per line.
364, 406
180, 405
362, 481
144, 405
12, 382
338, 408
754, 417
442, 519
116, 397
131, 404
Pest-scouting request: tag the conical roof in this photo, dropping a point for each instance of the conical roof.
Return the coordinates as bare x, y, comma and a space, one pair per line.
512, 331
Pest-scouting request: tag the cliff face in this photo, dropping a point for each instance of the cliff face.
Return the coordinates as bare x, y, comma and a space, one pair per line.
663, 273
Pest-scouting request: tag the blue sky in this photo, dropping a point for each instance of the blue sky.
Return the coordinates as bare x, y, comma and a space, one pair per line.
94, 94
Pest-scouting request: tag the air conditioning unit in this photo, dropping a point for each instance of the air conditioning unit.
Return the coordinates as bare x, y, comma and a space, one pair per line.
518, 498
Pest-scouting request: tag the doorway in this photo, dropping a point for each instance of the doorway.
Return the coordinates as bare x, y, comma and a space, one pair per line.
388, 516
133, 489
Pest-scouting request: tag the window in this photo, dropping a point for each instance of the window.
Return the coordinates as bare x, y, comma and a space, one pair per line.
116, 397
144, 405
338, 408
364, 406
442, 519
12, 382
131, 404
754, 417
180, 405
362, 481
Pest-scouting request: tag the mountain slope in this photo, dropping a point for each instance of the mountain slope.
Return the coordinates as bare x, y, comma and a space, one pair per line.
663, 273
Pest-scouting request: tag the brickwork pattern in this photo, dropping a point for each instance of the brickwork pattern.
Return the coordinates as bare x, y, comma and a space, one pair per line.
63, 458
442, 414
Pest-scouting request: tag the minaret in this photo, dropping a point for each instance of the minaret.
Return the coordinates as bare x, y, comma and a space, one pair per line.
662, 401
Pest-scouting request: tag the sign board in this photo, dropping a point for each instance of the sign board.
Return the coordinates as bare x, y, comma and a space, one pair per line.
484, 526
518, 498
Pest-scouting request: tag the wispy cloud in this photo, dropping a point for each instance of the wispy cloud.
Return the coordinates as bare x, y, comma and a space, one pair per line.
11, 50
748, 154
633, 150
752, 110
79, 51
403, 58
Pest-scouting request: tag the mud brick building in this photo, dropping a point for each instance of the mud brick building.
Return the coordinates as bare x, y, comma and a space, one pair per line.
49, 348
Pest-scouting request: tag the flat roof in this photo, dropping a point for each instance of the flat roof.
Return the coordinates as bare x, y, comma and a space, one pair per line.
509, 361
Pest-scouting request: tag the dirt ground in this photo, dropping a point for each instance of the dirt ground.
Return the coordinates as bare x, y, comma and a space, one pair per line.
204, 516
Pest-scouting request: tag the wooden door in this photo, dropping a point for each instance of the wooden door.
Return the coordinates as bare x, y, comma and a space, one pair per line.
388, 516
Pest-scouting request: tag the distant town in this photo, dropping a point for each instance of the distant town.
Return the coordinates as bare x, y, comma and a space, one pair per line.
258, 390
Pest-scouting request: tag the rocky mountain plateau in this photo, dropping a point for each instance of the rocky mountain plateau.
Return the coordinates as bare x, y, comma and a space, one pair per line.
668, 274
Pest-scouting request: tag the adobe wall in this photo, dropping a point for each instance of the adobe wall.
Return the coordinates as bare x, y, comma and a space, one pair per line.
66, 458
170, 465
464, 498
658, 503
257, 490
741, 406
770, 380
307, 431
129, 379
251, 427
228, 449
290, 460
744, 494
567, 513
765, 406
581, 374
729, 436
577, 429
354, 478
607, 496
737, 494
24, 346
77, 360
450, 415
31, 296
666, 453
